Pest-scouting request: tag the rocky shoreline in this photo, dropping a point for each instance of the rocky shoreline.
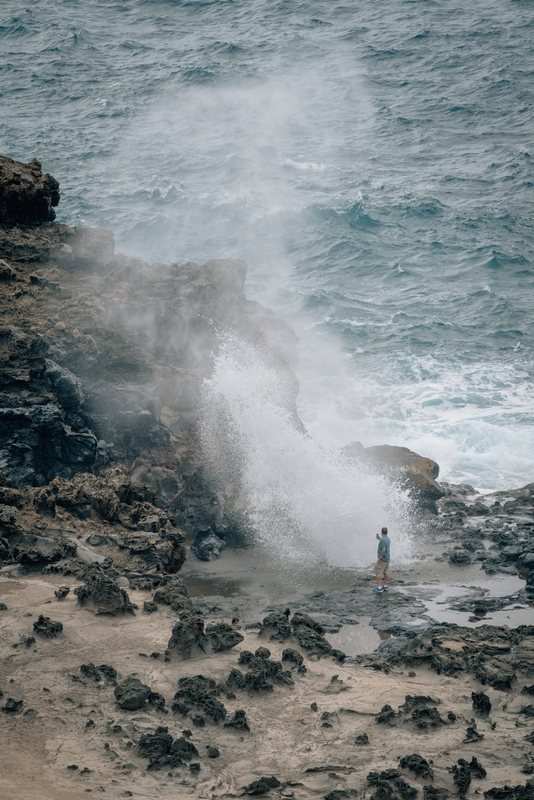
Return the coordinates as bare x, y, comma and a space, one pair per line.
118, 674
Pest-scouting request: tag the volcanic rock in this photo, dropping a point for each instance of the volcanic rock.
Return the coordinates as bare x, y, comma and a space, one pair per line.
220, 636
418, 765
155, 745
417, 473
481, 702
27, 196
102, 593
202, 693
207, 546
187, 635
131, 694
262, 786
47, 627
238, 722
12, 706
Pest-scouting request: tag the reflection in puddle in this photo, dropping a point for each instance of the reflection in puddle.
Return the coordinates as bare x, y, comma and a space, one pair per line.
355, 640
511, 617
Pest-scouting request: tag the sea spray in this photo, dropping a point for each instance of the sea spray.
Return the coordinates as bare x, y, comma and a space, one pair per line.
302, 503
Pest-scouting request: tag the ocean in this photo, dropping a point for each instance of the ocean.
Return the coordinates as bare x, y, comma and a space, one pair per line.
372, 162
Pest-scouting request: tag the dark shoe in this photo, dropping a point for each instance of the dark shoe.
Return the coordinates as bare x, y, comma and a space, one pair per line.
385, 588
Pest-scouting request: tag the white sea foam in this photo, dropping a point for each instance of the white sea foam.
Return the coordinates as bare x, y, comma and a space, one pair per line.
302, 502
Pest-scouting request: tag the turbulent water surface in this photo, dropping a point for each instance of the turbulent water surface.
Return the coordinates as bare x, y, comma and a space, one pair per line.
371, 161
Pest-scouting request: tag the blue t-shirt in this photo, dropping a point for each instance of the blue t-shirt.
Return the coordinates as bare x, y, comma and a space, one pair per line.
384, 542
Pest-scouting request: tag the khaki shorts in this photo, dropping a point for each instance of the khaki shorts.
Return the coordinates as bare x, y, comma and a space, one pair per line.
381, 568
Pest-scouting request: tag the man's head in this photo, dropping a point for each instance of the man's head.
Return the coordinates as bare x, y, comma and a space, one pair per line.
384, 531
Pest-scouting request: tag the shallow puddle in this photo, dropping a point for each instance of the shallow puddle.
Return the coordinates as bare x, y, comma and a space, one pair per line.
355, 640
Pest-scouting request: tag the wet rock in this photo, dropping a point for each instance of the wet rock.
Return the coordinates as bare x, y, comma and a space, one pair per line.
4, 550
418, 765
472, 735
184, 749
424, 713
62, 592
66, 386
293, 656
386, 715
339, 794
476, 768
460, 556
102, 593
262, 786
187, 635
435, 793
303, 620
157, 701
519, 792
47, 627
245, 657
207, 546
27, 196
263, 673
202, 693
28, 548
173, 593
90, 671
220, 636
390, 786
238, 722
481, 702
416, 473
462, 777
484, 652
12, 706
131, 694
276, 626
312, 641
155, 745
235, 680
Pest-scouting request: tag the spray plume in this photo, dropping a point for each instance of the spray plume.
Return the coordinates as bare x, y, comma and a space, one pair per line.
302, 503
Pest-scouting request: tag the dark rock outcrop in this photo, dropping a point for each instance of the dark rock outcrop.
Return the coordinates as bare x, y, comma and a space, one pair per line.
131, 694
207, 546
416, 473
102, 593
27, 197
47, 627
199, 692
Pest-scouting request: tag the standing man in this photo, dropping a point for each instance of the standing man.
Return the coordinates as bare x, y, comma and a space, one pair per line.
382, 565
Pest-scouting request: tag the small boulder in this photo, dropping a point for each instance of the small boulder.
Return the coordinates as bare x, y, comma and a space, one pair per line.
207, 546
47, 627
131, 694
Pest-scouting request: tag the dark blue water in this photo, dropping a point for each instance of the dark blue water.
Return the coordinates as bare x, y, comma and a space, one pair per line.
373, 162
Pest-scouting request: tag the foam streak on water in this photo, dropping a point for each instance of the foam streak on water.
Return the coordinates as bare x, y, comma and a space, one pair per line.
304, 503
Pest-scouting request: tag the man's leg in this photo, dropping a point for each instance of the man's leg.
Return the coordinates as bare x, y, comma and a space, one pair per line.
378, 572
386, 576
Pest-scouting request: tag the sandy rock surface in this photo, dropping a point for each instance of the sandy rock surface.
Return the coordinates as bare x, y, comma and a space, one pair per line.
70, 735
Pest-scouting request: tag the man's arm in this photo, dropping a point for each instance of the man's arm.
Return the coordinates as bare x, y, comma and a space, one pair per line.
382, 554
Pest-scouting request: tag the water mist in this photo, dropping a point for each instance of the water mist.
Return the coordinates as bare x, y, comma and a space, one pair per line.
302, 503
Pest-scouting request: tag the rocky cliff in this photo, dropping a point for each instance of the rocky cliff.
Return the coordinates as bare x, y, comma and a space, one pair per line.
103, 357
